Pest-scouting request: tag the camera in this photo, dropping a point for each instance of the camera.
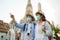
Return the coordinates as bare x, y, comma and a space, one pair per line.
29, 31
28, 34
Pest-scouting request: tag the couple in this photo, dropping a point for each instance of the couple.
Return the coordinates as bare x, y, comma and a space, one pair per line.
34, 31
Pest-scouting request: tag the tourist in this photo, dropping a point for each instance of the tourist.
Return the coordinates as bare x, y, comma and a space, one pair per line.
43, 28
28, 27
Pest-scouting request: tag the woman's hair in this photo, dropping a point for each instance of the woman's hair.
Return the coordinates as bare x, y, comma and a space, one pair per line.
42, 16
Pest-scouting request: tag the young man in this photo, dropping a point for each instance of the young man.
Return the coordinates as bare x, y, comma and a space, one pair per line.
28, 27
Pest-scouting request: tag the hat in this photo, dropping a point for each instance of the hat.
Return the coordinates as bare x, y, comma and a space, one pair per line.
33, 19
40, 13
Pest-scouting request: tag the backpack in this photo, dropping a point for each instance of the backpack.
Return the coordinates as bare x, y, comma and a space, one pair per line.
26, 24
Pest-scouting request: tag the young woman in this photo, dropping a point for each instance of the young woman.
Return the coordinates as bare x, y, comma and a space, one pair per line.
43, 28
28, 27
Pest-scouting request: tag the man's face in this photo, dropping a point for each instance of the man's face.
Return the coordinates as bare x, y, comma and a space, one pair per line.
1, 22
6, 24
28, 19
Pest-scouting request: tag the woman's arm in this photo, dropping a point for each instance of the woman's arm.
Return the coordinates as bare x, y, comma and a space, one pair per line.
48, 29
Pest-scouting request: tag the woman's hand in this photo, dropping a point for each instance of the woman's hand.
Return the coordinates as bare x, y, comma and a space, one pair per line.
44, 29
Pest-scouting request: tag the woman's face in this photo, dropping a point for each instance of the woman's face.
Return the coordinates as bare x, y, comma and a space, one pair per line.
38, 17
28, 19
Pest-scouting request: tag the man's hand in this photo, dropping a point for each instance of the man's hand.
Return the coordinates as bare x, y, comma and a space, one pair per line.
13, 19
12, 16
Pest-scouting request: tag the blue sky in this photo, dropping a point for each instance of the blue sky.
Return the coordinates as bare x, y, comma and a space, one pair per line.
51, 8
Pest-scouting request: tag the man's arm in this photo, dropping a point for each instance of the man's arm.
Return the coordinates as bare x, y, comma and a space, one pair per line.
21, 26
16, 24
33, 31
